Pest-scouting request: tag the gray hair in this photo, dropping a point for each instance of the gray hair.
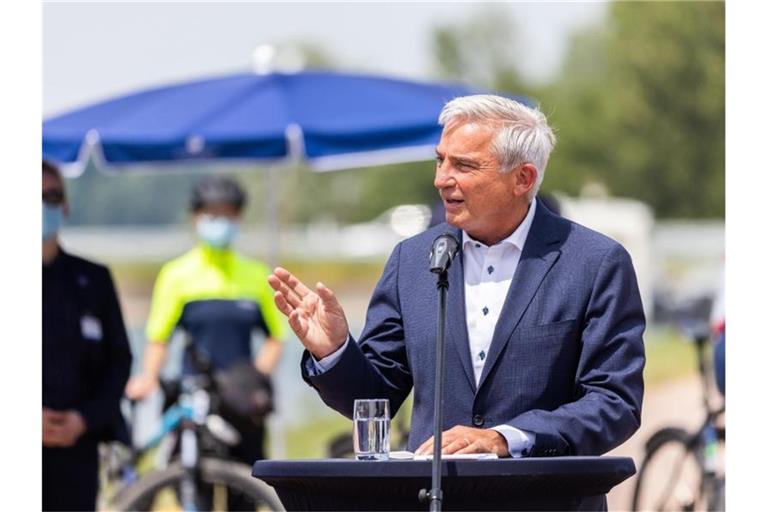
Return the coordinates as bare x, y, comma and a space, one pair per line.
524, 137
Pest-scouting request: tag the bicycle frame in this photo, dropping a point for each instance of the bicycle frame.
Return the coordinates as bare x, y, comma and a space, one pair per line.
195, 402
181, 422
170, 421
189, 425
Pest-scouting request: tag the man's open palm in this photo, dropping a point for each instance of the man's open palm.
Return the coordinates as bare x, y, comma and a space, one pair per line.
316, 317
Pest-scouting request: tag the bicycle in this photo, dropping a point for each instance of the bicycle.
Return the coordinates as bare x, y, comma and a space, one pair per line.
193, 470
679, 470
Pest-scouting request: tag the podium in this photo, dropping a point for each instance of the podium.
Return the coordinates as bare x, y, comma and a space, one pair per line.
552, 483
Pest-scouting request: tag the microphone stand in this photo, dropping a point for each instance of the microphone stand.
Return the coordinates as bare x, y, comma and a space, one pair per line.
435, 494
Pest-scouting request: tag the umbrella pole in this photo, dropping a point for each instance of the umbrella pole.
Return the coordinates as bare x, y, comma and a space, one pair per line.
271, 194
277, 441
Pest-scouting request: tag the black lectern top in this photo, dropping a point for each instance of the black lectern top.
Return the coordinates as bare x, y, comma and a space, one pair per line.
503, 484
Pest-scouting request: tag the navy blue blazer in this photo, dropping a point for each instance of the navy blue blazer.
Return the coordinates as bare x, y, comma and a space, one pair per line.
565, 362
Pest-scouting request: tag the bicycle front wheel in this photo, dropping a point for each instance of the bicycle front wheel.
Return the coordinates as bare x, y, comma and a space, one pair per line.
221, 485
671, 476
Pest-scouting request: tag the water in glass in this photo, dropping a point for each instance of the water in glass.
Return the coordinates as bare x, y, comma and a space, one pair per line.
371, 438
371, 429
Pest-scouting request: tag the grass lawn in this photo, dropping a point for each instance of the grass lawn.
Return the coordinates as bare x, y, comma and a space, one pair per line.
311, 441
669, 355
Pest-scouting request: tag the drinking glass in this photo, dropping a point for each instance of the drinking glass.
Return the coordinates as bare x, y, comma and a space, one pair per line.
371, 424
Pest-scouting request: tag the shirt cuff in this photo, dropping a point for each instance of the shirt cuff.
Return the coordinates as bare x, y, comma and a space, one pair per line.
330, 360
519, 442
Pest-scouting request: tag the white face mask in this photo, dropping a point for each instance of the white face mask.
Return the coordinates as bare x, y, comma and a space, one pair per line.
218, 232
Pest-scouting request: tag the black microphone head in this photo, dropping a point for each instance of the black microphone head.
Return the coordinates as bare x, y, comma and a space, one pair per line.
444, 249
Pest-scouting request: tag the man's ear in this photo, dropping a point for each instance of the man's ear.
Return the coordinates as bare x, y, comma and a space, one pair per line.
525, 179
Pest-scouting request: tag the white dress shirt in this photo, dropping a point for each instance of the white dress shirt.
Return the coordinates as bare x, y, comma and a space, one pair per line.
488, 272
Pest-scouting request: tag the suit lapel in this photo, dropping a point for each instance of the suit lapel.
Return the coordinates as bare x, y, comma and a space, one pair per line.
456, 325
538, 256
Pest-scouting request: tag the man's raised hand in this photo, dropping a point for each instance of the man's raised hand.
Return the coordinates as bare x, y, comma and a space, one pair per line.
316, 317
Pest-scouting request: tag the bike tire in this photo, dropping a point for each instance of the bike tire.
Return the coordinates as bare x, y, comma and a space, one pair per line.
675, 451
236, 476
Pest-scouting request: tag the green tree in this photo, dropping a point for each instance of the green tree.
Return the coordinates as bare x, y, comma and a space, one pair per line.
640, 106
480, 52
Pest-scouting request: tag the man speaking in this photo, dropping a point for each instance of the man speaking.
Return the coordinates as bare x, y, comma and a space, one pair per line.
544, 351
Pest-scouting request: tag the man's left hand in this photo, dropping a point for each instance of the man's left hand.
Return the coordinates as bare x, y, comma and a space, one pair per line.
461, 439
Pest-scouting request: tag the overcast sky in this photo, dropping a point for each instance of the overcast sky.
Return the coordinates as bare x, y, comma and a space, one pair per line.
95, 50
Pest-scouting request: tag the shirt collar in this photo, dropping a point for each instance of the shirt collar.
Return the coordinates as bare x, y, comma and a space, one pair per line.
215, 255
518, 236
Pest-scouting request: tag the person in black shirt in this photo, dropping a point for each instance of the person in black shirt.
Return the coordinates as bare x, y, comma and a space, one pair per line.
86, 363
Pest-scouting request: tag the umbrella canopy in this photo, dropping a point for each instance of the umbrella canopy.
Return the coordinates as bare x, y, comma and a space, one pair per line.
329, 120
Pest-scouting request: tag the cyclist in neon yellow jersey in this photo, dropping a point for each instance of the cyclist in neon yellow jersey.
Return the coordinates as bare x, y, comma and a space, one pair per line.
218, 298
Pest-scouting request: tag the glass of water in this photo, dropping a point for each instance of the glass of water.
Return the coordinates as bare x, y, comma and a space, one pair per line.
371, 424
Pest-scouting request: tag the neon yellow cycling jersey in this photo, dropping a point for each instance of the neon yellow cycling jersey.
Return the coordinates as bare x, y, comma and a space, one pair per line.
218, 297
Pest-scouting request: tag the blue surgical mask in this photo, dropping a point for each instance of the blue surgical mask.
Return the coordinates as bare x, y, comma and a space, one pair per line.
218, 232
53, 217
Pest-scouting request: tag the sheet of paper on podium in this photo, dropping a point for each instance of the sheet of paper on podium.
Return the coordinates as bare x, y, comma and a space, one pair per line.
405, 455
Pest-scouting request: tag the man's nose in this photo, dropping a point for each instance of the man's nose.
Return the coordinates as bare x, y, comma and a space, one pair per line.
443, 176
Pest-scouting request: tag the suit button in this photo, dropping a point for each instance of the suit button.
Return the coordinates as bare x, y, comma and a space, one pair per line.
478, 420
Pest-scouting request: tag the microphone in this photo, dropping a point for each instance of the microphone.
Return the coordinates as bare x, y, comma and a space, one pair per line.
444, 249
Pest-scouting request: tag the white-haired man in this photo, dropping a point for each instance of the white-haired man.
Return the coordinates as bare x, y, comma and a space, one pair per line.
544, 351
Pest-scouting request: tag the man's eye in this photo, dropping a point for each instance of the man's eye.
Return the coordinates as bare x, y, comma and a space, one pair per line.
439, 160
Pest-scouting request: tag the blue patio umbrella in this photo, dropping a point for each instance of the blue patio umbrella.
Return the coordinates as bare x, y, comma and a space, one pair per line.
327, 120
